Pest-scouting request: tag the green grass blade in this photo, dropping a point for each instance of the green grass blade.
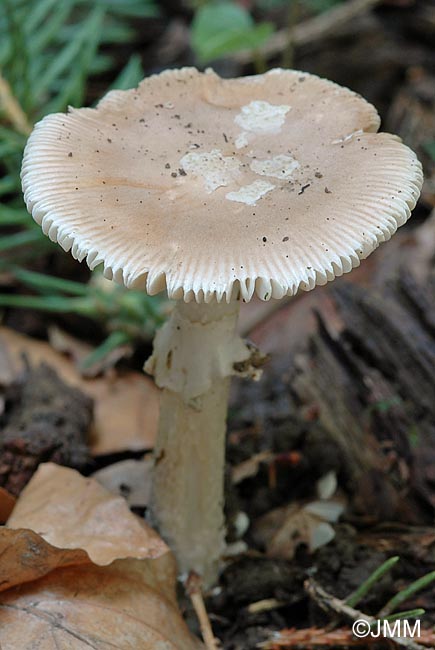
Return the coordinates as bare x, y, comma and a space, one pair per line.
42, 282
38, 13
114, 31
100, 63
9, 184
113, 341
24, 238
9, 135
45, 35
17, 64
131, 74
69, 54
8, 148
406, 593
127, 8
371, 581
90, 48
48, 303
59, 64
73, 88
410, 613
14, 217
430, 148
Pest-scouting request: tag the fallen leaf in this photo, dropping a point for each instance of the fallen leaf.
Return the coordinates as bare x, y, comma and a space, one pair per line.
326, 486
68, 345
26, 556
282, 530
7, 502
126, 406
79, 352
251, 466
128, 478
92, 518
109, 579
83, 607
126, 413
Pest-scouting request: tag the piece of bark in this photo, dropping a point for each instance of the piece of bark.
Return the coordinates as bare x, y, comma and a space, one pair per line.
371, 381
412, 116
44, 420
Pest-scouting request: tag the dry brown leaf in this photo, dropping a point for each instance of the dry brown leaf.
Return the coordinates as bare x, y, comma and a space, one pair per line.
282, 530
68, 345
7, 503
128, 604
91, 518
251, 466
128, 478
25, 556
90, 607
126, 413
126, 406
78, 351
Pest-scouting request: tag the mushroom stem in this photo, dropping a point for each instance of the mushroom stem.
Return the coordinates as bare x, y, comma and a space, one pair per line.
193, 358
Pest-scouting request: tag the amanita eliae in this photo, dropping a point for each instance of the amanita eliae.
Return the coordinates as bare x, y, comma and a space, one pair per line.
214, 190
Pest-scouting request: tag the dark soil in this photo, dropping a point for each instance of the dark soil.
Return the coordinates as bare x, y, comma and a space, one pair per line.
44, 420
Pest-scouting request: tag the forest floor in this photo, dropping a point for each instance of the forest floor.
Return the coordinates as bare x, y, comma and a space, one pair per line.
331, 455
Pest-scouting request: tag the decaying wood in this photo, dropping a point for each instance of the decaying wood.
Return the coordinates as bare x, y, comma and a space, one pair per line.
412, 116
371, 379
44, 420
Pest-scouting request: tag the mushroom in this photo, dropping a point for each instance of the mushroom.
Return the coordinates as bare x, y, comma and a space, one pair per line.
215, 190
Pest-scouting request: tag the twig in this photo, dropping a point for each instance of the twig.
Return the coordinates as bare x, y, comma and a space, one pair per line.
265, 605
248, 468
193, 589
310, 30
12, 109
330, 603
312, 638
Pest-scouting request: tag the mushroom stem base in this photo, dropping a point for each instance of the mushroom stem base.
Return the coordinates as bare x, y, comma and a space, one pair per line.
193, 360
187, 495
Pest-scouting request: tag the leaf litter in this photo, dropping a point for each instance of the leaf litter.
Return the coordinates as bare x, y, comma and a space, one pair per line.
79, 570
125, 405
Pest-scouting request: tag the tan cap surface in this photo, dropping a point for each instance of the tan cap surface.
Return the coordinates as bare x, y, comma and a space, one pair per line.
273, 183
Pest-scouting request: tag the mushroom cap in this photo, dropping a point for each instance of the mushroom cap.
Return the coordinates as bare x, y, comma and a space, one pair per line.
201, 185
